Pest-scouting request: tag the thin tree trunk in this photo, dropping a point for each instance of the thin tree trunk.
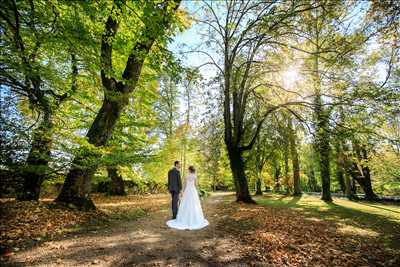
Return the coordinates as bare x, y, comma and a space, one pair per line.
214, 183
184, 156
286, 168
117, 183
340, 172
295, 159
350, 189
277, 174
296, 173
340, 178
353, 188
349, 175
258, 184
170, 94
312, 182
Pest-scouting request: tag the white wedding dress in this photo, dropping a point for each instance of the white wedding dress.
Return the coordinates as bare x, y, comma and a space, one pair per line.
190, 215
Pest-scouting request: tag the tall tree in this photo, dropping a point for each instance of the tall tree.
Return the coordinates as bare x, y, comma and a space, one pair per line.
190, 82
210, 136
157, 18
329, 47
295, 158
167, 105
261, 153
33, 43
241, 31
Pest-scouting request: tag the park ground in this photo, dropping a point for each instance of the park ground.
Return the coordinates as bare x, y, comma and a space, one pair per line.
130, 231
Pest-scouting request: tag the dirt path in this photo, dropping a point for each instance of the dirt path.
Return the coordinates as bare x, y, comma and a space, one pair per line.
144, 242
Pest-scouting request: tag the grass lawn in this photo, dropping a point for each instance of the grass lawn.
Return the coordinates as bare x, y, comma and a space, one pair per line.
361, 218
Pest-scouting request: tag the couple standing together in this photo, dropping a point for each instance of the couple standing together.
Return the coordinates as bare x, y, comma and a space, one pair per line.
189, 215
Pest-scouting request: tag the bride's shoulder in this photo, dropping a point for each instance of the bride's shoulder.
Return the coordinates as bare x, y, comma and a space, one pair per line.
191, 176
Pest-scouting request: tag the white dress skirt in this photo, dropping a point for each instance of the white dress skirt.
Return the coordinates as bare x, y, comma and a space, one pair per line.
190, 215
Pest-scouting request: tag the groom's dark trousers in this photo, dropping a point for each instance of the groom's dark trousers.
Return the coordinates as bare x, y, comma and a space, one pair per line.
175, 198
174, 187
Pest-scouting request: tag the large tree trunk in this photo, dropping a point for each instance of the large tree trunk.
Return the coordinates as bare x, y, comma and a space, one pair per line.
36, 166
77, 185
323, 150
321, 121
237, 167
364, 180
117, 183
323, 147
325, 170
295, 159
364, 175
366, 185
76, 188
360, 172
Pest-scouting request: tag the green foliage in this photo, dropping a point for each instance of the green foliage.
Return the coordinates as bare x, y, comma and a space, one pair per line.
386, 171
347, 85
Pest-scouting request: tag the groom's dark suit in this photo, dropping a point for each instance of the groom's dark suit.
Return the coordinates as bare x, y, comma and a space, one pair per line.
174, 187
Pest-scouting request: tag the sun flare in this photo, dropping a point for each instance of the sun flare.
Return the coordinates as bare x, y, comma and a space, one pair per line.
290, 77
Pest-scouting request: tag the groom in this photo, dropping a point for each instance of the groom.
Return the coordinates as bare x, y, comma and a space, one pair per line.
174, 186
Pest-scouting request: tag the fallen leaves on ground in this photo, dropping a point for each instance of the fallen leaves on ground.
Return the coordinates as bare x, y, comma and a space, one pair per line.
28, 222
282, 237
262, 236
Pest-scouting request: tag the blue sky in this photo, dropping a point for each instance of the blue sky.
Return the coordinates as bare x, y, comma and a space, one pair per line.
190, 39
185, 42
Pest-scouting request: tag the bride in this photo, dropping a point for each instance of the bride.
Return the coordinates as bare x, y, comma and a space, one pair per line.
190, 215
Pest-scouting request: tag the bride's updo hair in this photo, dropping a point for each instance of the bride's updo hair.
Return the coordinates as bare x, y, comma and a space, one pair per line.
192, 169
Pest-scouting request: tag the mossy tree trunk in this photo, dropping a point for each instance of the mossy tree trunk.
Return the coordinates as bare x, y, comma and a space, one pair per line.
36, 166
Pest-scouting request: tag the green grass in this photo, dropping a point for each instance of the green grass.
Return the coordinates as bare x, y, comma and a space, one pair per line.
359, 218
